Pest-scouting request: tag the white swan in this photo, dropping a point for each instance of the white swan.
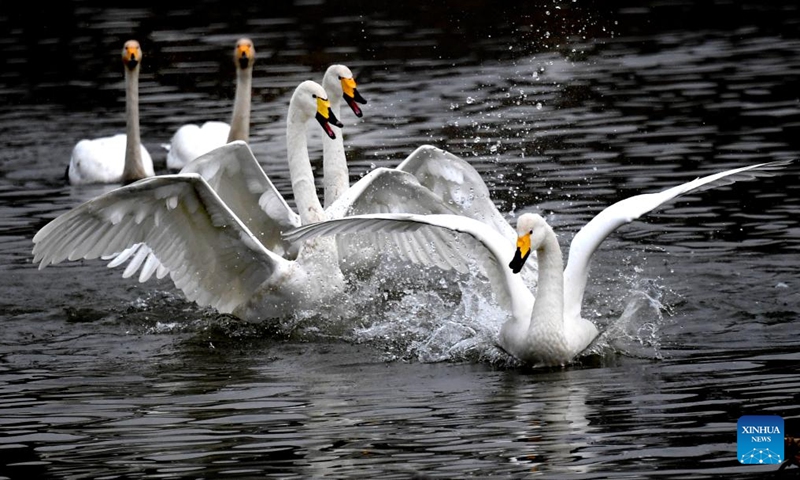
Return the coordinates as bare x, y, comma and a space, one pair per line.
550, 330
190, 140
190, 234
338, 81
122, 157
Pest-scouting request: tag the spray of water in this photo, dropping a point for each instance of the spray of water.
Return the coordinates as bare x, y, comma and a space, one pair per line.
427, 315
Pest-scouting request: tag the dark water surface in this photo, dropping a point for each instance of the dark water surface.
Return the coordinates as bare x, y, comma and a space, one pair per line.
564, 107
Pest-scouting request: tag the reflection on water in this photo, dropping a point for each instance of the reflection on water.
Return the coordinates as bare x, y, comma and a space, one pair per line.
564, 108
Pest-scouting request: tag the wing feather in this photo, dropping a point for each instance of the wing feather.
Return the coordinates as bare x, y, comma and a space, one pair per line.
181, 227
492, 249
458, 184
589, 238
236, 176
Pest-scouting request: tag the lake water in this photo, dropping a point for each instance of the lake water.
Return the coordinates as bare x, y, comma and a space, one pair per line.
564, 108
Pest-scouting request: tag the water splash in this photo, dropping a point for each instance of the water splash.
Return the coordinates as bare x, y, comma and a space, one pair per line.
411, 313
637, 331
425, 315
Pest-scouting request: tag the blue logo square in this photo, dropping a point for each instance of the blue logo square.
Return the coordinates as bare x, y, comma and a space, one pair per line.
759, 439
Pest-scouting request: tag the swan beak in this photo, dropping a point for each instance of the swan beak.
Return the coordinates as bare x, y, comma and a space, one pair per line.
326, 118
245, 53
131, 55
351, 96
522, 253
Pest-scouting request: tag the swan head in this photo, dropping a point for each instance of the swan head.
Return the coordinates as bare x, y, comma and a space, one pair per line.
244, 55
310, 100
531, 232
131, 55
339, 78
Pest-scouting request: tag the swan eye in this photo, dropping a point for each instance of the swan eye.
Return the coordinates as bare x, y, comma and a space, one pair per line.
531, 232
340, 77
313, 95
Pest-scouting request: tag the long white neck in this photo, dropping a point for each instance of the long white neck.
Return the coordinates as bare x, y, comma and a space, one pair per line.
336, 176
305, 191
240, 121
548, 309
133, 169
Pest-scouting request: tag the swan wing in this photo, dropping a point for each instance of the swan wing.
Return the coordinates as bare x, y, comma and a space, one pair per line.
429, 239
234, 173
387, 190
589, 238
186, 230
458, 184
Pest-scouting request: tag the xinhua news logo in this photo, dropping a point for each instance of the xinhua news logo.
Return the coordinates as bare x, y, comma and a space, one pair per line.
759, 440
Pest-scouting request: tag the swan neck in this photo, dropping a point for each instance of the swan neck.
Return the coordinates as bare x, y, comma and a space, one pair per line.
548, 309
303, 186
133, 169
240, 120
336, 175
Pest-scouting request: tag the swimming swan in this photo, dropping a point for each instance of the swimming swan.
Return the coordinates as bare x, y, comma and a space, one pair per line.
190, 140
122, 157
548, 330
190, 234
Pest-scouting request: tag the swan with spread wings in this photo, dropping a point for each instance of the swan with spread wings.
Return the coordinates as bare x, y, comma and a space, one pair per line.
546, 328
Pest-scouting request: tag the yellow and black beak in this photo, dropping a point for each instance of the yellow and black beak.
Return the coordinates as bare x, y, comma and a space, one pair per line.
522, 253
245, 54
351, 96
131, 55
326, 118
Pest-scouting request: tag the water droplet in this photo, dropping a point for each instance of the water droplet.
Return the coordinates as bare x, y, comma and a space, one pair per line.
470, 100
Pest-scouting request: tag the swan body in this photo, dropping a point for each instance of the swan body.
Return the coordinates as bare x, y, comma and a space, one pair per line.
191, 140
121, 157
546, 329
185, 230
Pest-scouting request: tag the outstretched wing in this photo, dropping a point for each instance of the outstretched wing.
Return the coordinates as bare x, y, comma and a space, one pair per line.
428, 239
184, 227
234, 173
593, 233
458, 184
